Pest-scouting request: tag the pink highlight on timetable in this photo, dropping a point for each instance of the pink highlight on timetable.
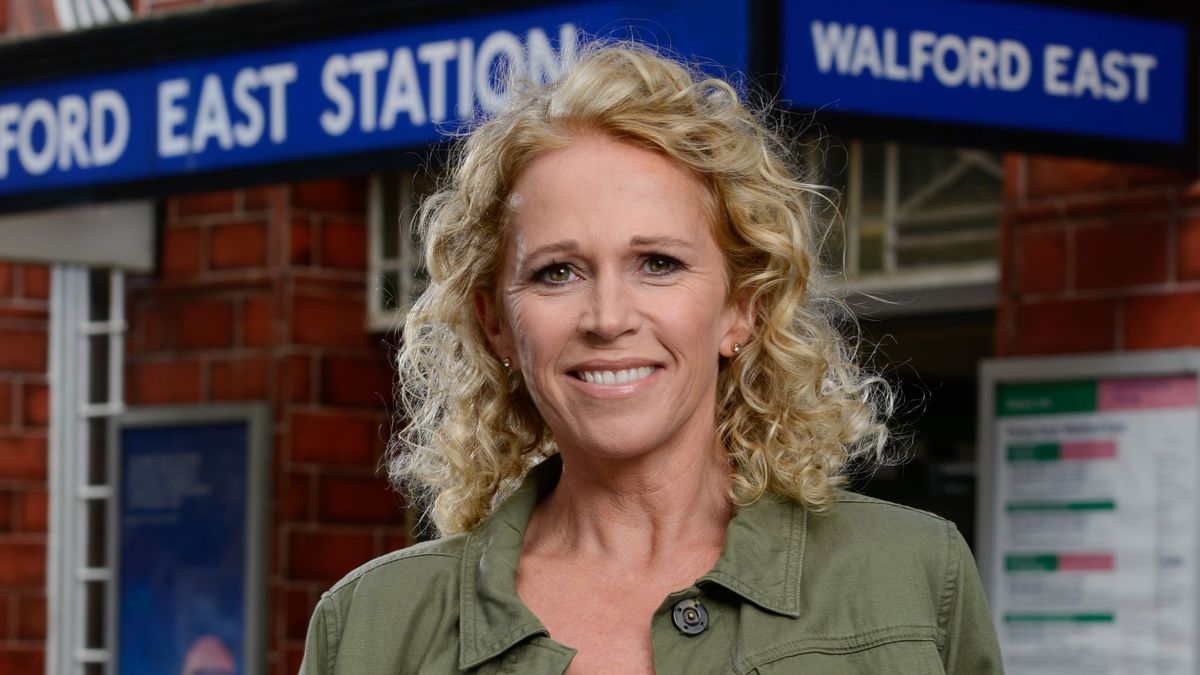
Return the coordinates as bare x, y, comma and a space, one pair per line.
1148, 393
1088, 450
1086, 562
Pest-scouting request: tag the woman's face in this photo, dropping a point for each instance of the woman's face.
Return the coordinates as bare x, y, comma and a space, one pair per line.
612, 299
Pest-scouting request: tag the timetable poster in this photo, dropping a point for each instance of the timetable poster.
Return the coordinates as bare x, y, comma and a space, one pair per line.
1095, 548
182, 527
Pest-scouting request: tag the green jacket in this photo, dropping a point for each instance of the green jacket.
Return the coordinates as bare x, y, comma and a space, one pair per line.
869, 587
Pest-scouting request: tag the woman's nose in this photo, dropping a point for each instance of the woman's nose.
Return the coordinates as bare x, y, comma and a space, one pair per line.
610, 312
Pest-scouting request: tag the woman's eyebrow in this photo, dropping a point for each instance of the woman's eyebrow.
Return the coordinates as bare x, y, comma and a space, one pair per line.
556, 247
661, 241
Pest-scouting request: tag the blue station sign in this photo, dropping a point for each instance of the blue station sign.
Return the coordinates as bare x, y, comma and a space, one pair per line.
368, 92
1007, 65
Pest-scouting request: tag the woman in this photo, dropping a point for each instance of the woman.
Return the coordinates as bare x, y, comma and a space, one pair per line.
621, 287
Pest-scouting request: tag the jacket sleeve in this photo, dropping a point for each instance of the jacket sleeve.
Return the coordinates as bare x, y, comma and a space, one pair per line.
320, 647
970, 645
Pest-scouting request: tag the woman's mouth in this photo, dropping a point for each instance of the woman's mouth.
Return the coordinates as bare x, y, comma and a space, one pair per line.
614, 376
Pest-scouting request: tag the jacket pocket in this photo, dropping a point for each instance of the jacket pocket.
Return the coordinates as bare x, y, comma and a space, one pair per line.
900, 656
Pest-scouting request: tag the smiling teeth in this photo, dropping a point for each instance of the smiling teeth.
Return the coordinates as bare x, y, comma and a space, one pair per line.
615, 376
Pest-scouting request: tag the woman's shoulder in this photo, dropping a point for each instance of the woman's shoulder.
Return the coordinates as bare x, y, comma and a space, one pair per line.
406, 568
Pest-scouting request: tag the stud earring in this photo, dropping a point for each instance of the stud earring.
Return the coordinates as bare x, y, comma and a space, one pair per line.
506, 363
737, 348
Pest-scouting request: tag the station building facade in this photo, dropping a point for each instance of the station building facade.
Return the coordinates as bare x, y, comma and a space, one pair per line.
274, 281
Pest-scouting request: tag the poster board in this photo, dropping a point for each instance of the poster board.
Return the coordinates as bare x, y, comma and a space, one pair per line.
189, 526
1089, 512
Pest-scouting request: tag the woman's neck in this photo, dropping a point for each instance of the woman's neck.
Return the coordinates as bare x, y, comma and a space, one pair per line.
634, 511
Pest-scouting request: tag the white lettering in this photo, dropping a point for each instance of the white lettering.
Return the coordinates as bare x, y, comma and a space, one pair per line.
1087, 75
503, 49
1142, 65
247, 132
919, 44
9, 114
72, 124
367, 65
866, 54
277, 77
945, 75
171, 115
891, 67
403, 92
212, 117
1015, 65
466, 83
983, 62
335, 123
37, 162
1054, 57
1117, 86
436, 55
108, 103
832, 42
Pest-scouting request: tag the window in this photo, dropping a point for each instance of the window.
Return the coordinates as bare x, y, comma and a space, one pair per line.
87, 338
395, 274
915, 216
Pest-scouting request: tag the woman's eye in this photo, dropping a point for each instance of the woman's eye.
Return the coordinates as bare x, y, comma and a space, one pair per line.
660, 264
558, 273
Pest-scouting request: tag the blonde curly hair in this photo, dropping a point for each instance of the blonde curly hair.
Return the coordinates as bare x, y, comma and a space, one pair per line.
793, 407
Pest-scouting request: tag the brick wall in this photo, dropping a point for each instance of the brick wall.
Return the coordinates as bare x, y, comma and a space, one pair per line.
261, 297
1097, 257
24, 416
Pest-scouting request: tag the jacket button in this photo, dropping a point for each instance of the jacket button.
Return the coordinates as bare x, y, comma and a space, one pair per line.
690, 616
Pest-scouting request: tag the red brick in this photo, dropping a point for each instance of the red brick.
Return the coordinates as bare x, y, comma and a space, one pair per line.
205, 203
1061, 176
346, 195
1113, 256
31, 618
301, 242
297, 496
344, 244
167, 382
396, 539
1189, 249
20, 660
298, 609
23, 350
294, 656
327, 556
6, 601
37, 281
1162, 321
299, 385
1063, 327
6, 399
22, 457
258, 198
183, 251
36, 405
238, 245
24, 564
358, 382
6, 273
205, 325
257, 322
239, 380
331, 438
1042, 258
1110, 204
30, 514
7, 497
329, 322
1191, 193
359, 500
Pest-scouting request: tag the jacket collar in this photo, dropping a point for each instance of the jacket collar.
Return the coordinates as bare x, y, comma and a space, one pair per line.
761, 562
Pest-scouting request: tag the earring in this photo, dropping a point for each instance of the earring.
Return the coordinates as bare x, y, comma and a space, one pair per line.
737, 348
506, 363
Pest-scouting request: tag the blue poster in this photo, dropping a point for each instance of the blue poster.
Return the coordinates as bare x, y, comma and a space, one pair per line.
182, 563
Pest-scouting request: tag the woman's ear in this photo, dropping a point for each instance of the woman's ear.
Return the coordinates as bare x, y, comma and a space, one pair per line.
495, 328
741, 329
